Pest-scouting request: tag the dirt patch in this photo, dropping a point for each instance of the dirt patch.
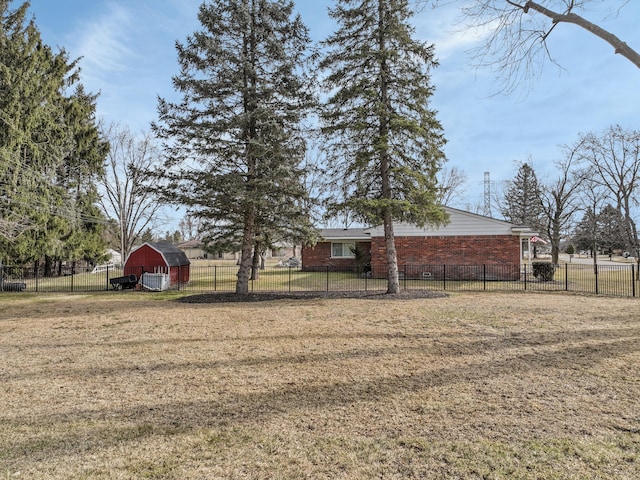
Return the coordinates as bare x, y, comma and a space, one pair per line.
226, 297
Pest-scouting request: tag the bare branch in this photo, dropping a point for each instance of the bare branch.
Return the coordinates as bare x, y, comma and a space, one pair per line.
516, 43
618, 45
126, 197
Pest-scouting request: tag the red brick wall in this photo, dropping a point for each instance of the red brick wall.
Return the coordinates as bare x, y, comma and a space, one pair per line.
463, 250
415, 251
319, 257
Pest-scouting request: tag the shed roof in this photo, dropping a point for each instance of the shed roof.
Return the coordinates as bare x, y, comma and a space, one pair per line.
173, 256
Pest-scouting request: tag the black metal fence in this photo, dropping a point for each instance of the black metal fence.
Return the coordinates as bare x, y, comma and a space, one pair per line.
611, 280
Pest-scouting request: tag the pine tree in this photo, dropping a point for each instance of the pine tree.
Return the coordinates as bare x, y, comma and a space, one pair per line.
31, 77
384, 143
611, 226
523, 201
602, 231
586, 235
234, 142
50, 150
522, 204
84, 151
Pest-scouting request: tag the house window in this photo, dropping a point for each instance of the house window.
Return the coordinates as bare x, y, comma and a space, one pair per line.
343, 250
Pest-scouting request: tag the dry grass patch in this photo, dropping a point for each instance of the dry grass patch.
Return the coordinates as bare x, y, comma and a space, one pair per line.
466, 386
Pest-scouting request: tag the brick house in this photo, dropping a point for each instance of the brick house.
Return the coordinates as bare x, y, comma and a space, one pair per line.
469, 242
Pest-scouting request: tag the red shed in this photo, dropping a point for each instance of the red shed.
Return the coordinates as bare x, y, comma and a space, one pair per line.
159, 258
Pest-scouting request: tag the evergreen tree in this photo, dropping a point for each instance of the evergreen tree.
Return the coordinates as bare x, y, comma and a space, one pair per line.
586, 235
83, 153
611, 226
147, 236
384, 143
604, 230
234, 144
50, 150
522, 200
31, 77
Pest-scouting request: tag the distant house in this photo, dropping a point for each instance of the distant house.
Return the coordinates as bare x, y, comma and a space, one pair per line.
467, 240
113, 260
160, 257
193, 249
113, 257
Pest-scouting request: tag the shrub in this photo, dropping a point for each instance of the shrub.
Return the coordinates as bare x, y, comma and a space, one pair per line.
543, 271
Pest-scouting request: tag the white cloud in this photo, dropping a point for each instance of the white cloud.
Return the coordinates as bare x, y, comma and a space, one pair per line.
104, 42
444, 27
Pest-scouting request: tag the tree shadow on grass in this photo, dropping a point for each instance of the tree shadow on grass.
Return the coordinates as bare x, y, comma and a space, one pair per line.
95, 429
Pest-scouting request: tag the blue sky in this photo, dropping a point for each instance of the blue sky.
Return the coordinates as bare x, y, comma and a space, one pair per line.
128, 55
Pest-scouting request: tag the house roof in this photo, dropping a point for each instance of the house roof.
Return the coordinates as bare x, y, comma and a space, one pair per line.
172, 255
345, 234
461, 223
190, 244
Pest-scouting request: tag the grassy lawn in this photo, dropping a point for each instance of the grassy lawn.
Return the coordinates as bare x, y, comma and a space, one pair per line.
473, 385
205, 276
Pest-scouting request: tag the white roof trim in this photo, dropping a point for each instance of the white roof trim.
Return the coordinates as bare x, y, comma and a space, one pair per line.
462, 223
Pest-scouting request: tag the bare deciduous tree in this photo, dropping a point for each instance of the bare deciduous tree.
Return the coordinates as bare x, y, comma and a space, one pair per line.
451, 182
593, 199
189, 227
614, 165
125, 196
560, 199
517, 43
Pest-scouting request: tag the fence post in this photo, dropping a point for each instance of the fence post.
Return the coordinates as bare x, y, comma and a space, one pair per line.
327, 278
595, 270
289, 281
215, 278
525, 276
566, 277
404, 277
633, 279
107, 284
484, 276
444, 277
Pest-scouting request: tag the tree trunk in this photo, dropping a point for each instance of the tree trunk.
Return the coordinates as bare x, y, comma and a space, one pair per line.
393, 282
48, 266
246, 257
255, 264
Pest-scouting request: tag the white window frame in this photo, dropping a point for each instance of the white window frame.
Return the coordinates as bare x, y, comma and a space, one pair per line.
346, 249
